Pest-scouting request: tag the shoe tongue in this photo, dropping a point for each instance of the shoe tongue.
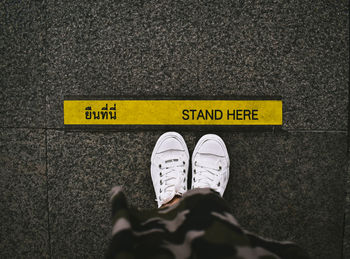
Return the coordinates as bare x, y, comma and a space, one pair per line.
208, 159
176, 182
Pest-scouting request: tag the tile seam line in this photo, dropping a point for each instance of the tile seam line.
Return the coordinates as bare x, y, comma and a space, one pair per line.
345, 212
45, 47
292, 130
318, 131
343, 232
47, 196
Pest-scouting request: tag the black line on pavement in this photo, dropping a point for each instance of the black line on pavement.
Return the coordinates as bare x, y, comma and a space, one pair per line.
200, 128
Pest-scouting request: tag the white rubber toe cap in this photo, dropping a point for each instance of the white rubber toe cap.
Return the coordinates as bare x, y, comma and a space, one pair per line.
170, 143
212, 147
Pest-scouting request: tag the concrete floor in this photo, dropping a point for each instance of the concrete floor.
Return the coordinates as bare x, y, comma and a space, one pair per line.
288, 184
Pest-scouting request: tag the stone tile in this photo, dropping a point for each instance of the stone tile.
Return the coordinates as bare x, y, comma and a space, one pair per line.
287, 186
169, 32
296, 50
346, 243
290, 186
94, 48
23, 212
82, 169
119, 49
22, 62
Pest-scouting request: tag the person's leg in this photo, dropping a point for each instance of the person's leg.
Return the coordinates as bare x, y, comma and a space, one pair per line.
169, 168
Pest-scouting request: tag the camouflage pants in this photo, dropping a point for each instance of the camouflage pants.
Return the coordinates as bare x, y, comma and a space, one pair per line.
199, 226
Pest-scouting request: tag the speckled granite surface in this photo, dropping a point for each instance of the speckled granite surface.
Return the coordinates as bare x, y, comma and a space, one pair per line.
23, 199
286, 186
22, 64
290, 187
297, 50
82, 169
283, 186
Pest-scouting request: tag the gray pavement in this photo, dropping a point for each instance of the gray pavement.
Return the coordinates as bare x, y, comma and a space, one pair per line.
289, 184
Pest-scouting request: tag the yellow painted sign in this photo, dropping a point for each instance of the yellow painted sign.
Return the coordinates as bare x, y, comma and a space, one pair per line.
173, 112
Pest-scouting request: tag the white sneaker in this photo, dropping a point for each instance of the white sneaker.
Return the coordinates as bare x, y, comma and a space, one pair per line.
210, 164
169, 167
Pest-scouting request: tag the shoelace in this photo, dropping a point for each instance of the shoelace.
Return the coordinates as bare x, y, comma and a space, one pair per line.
205, 175
169, 173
